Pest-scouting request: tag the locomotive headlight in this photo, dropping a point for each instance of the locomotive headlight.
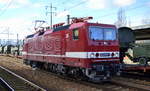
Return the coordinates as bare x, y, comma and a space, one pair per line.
92, 55
113, 54
97, 54
116, 54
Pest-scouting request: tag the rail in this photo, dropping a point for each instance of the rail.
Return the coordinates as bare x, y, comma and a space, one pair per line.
6, 85
30, 83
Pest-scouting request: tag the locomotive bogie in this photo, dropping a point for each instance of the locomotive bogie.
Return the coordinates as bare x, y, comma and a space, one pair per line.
96, 73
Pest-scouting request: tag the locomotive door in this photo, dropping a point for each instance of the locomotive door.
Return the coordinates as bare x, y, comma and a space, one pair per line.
39, 48
67, 39
72, 40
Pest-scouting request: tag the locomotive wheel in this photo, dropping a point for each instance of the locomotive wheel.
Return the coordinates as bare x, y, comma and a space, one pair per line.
46, 66
34, 65
50, 67
54, 68
143, 61
61, 69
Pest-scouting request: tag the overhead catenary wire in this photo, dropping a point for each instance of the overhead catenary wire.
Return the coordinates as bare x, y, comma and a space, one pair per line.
74, 6
65, 1
129, 9
4, 5
78, 4
108, 14
5, 9
101, 16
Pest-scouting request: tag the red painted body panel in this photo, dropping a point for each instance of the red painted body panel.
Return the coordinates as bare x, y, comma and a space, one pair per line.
52, 46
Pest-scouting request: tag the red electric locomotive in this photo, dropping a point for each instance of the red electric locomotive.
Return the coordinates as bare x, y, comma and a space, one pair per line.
81, 49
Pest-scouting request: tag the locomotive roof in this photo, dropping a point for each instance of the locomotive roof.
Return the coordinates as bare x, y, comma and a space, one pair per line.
30, 36
61, 28
71, 26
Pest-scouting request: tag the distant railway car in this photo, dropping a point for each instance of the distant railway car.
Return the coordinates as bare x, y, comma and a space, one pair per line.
16, 50
138, 42
7, 49
126, 40
3, 49
81, 49
141, 52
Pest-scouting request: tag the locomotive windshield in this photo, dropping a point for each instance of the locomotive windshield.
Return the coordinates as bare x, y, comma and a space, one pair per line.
98, 33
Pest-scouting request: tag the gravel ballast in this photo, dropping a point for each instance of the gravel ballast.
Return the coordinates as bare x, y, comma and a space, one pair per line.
41, 78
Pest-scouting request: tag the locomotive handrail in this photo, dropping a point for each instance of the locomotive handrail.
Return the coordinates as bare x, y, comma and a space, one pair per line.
83, 19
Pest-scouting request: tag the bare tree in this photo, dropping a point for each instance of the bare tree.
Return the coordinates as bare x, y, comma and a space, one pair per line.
146, 18
121, 20
146, 21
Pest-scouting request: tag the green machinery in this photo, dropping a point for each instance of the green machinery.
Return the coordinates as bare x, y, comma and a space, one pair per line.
142, 49
133, 45
140, 52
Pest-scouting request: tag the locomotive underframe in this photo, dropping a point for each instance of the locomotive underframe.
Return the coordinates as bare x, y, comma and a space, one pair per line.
97, 73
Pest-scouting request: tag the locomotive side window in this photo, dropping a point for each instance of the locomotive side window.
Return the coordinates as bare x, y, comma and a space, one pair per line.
75, 34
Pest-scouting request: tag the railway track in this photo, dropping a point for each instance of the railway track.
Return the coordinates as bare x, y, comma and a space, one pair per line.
137, 75
113, 85
16, 82
117, 84
5, 86
134, 79
140, 85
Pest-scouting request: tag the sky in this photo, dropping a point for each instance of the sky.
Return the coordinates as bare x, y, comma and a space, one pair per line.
18, 16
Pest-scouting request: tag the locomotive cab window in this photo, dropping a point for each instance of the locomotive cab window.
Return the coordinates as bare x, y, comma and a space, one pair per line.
75, 34
98, 33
